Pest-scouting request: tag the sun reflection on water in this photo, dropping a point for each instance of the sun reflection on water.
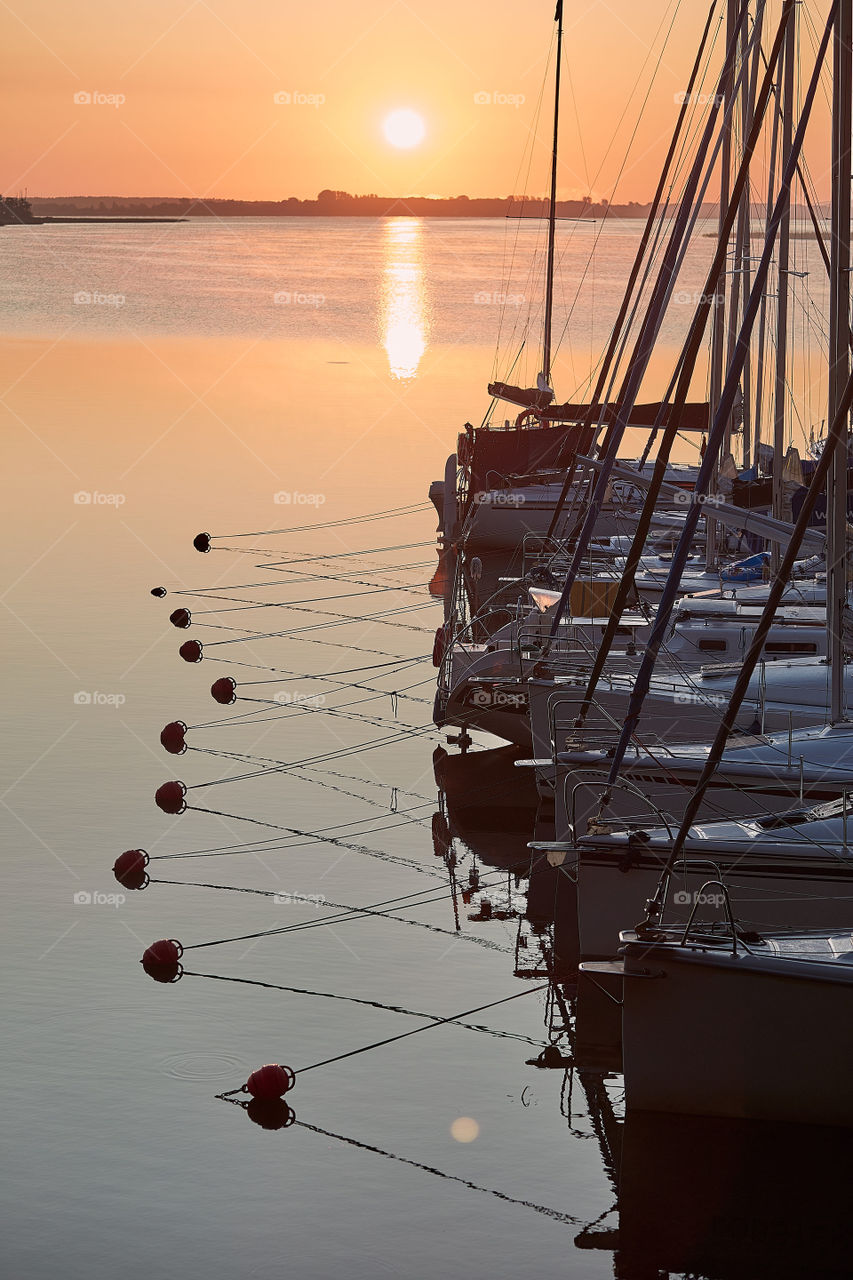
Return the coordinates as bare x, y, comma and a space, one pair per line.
404, 318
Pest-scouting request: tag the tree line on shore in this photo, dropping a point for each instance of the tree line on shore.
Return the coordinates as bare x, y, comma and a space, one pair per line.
332, 204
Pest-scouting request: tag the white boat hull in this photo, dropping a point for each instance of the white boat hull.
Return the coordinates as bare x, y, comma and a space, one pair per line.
767, 892
720, 1035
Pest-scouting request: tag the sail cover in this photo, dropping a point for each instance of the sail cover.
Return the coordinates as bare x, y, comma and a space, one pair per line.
693, 417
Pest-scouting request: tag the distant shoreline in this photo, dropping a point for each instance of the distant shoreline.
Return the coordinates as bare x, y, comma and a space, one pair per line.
336, 204
327, 205
54, 220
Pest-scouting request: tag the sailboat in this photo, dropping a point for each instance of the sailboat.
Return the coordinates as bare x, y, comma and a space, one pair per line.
760, 1016
517, 480
514, 490
500, 684
744, 1029
486, 663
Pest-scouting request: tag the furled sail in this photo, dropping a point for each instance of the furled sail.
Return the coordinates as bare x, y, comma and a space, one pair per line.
694, 416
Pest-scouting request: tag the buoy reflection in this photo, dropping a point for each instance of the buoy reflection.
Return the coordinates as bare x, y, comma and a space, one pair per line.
270, 1113
404, 313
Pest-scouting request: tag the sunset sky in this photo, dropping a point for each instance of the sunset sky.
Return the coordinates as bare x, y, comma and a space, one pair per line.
199, 81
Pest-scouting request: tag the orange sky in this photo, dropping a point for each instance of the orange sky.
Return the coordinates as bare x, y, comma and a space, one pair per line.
199, 80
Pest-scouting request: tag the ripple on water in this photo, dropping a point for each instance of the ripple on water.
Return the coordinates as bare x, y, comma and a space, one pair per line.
202, 1066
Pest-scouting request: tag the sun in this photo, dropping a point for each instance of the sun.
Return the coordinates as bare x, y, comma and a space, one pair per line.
404, 128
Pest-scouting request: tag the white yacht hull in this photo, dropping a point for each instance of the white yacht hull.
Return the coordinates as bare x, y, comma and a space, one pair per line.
746, 1036
770, 890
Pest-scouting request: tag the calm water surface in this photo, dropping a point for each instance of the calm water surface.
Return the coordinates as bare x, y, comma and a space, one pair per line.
248, 377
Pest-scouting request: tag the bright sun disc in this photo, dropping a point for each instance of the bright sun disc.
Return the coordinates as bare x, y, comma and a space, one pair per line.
404, 128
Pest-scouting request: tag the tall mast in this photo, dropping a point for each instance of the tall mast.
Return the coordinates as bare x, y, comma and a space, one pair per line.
839, 353
784, 284
741, 283
718, 330
552, 207
740, 258
762, 323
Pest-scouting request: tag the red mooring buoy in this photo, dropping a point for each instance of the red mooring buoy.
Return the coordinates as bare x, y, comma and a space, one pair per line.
162, 960
170, 797
224, 690
201, 542
181, 618
192, 651
164, 951
129, 868
172, 738
270, 1081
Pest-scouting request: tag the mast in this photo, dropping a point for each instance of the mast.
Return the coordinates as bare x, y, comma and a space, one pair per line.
740, 257
783, 286
684, 222
642, 680
839, 354
762, 324
617, 333
552, 208
718, 330
687, 362
743, 242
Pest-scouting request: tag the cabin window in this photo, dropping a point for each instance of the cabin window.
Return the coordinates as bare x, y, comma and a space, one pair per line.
790, 646
716, 646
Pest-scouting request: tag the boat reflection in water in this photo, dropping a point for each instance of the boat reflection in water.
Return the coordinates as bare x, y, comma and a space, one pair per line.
491, 806
404, 312
710, 1198
494, 810
727, 1200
